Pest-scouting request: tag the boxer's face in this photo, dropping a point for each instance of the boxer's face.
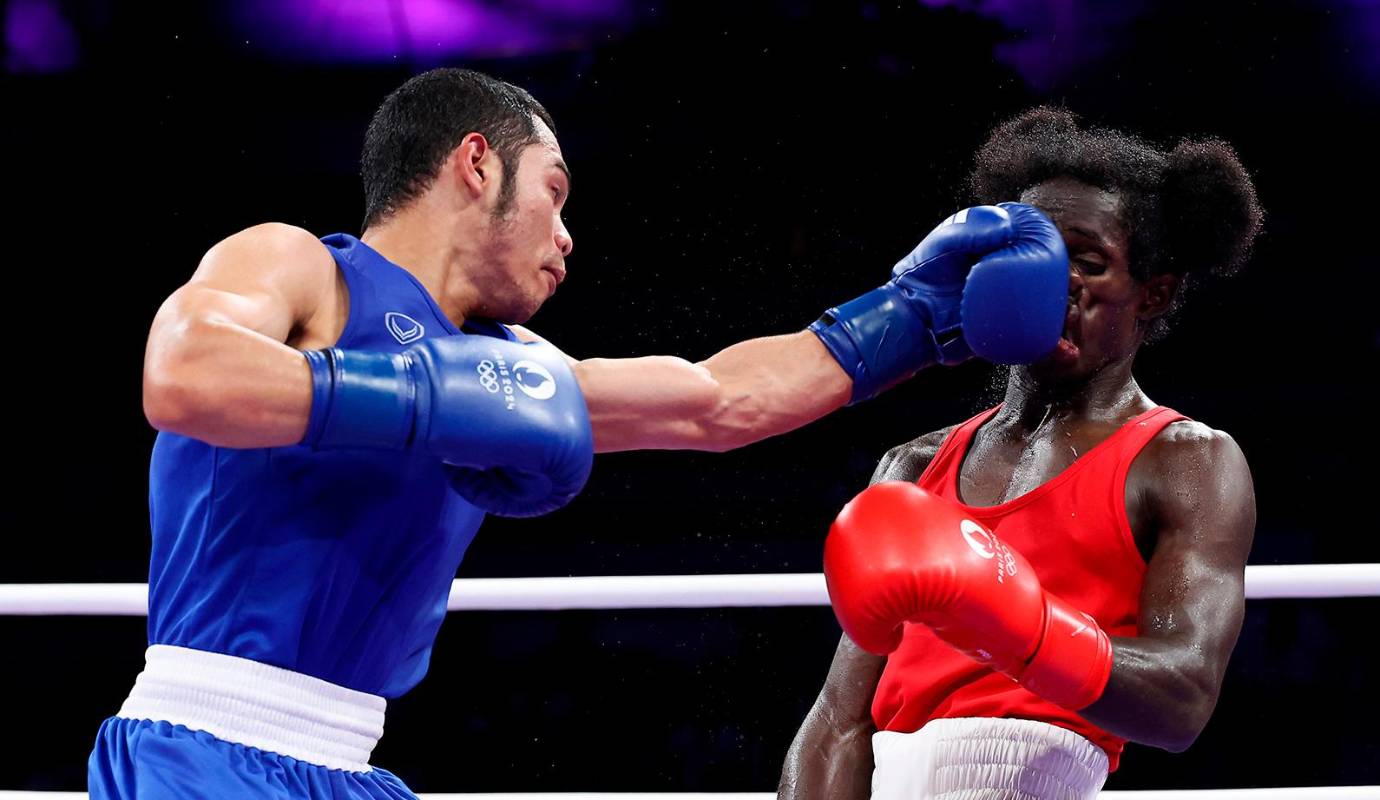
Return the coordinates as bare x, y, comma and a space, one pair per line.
526, 242
1108, 308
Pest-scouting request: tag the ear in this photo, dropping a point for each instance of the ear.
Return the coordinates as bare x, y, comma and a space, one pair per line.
474, 165
1157, 295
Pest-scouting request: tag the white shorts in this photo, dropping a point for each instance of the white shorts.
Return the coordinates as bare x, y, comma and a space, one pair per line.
986, 759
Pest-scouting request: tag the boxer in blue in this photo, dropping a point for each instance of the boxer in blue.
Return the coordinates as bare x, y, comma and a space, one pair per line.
337, 416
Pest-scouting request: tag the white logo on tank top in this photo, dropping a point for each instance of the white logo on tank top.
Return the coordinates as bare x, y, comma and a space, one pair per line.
404, 328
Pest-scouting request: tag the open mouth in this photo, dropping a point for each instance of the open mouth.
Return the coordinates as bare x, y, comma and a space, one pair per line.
1067, 347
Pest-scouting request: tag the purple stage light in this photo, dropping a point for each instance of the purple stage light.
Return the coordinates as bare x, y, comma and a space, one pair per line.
1362, 25
38, 38
1052, 39
426, 31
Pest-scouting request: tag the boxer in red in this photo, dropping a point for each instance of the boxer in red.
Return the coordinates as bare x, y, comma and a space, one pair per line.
1023, 593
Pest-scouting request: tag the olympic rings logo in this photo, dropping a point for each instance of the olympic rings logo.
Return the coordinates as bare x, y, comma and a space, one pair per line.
488, 376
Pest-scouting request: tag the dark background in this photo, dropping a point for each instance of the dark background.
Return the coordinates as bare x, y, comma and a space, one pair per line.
738, 168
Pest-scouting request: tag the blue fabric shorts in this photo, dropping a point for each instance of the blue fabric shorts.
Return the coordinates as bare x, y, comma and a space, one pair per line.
155, 760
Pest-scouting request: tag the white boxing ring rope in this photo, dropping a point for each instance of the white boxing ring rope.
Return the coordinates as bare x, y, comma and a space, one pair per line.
1289, 793
702, 591
653, 591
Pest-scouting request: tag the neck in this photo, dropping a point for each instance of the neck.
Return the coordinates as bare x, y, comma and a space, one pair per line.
1031, 402
424, 243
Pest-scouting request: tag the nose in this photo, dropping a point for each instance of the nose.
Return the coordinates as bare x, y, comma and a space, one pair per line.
1075, 284
563, 241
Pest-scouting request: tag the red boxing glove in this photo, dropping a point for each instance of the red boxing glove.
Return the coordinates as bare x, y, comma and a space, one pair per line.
897, 553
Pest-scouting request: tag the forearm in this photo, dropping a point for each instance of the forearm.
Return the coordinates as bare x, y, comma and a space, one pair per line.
1161, 693
828, 760
225, 384
745, 393
773, 385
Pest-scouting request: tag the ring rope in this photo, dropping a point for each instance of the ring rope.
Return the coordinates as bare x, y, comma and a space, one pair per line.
654, 591
1299, 793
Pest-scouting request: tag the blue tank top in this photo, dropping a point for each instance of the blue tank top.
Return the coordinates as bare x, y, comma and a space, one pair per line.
335, 564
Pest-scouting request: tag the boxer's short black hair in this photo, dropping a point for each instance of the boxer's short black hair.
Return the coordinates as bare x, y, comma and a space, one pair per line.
423, 120
1190, 211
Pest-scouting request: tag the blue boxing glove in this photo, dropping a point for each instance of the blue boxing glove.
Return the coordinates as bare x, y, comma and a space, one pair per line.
932, 312
508, 417
1016, 298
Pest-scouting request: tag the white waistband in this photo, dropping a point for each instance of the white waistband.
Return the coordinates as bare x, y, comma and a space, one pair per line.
970, 758
257, 705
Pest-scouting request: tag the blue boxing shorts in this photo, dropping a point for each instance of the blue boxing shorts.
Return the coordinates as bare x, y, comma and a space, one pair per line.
207, 725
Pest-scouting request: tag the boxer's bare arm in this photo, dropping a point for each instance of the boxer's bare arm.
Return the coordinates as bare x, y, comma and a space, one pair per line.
831, 757
745, 393
218, 366
1199, 497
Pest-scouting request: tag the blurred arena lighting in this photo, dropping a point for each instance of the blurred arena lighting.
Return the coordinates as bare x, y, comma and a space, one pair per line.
425, 31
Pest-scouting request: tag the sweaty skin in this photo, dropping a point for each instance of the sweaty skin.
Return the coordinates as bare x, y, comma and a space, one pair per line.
1189, 500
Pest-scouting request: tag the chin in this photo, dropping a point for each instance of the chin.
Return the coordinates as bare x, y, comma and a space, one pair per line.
520, 315
1053, 371
512, 317
512, 310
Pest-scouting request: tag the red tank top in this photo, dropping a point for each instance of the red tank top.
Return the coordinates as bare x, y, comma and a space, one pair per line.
1074, 531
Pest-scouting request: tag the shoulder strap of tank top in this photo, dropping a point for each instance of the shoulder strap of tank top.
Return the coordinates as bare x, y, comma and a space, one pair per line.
958, 440
359, 260
1136, 434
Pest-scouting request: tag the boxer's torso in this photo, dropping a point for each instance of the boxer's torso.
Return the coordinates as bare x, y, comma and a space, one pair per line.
336, 564
1006, 460
1060, 493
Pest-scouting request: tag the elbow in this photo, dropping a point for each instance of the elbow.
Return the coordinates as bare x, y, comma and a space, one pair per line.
1186, 719
169, 397
1162, 700
1180, 742
1185, 730
1170, 730
182, 384
178, 386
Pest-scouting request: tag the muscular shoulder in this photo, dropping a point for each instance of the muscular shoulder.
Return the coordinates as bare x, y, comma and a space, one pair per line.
905, 462
271, 245
286, 276
1190, 466
1187, 447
